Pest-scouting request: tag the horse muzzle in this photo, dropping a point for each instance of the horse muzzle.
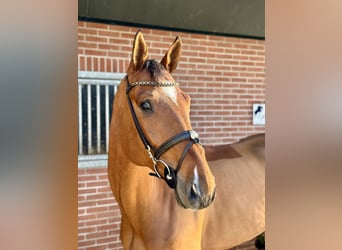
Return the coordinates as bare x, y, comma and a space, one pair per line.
193, 196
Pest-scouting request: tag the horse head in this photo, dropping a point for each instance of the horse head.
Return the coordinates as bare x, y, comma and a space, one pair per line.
160, 112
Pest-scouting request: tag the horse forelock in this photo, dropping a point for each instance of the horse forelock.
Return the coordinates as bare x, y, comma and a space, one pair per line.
154, 67
158, 72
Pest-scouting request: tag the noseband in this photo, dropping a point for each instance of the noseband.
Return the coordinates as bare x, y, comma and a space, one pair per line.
170, 174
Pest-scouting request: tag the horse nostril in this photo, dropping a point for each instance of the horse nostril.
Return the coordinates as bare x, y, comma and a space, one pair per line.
198, 199
213, 196
194, 193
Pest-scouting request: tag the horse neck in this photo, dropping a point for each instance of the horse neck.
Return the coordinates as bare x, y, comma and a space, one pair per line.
125, 141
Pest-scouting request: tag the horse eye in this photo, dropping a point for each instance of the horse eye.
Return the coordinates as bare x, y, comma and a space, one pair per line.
146, 106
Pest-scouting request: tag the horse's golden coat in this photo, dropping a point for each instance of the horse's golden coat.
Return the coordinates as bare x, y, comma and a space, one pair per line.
151, 215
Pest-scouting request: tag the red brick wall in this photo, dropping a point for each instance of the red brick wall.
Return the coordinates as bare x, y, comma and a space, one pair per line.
98, 213
223, 75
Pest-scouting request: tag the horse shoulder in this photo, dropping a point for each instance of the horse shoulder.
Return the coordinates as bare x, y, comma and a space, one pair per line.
238, 212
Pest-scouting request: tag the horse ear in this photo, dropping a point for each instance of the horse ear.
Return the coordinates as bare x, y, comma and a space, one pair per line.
171, 58
140, 51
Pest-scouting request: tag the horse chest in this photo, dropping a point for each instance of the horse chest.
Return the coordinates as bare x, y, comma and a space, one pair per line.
157, 220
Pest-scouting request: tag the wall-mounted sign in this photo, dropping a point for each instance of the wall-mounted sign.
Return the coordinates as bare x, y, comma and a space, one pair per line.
259, 114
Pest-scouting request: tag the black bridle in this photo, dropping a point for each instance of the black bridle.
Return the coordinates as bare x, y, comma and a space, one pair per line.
170, 174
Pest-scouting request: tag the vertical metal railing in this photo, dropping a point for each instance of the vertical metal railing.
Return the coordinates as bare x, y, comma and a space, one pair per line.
96, 91
80, 128
107, 111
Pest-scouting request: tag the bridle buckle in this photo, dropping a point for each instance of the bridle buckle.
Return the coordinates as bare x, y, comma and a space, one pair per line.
154, 161
194, 136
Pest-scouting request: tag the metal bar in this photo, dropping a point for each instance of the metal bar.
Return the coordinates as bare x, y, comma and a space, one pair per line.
80, 130
96, 81
89, 117
98, 119
107, 116
91, 161
85, 82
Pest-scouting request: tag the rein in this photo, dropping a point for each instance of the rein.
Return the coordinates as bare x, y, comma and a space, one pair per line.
187, 135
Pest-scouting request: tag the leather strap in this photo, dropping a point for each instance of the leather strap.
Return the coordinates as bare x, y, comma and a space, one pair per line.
182, 136
189, 135
136, 121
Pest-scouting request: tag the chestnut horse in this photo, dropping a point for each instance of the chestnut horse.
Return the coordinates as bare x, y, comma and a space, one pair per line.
152, 141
